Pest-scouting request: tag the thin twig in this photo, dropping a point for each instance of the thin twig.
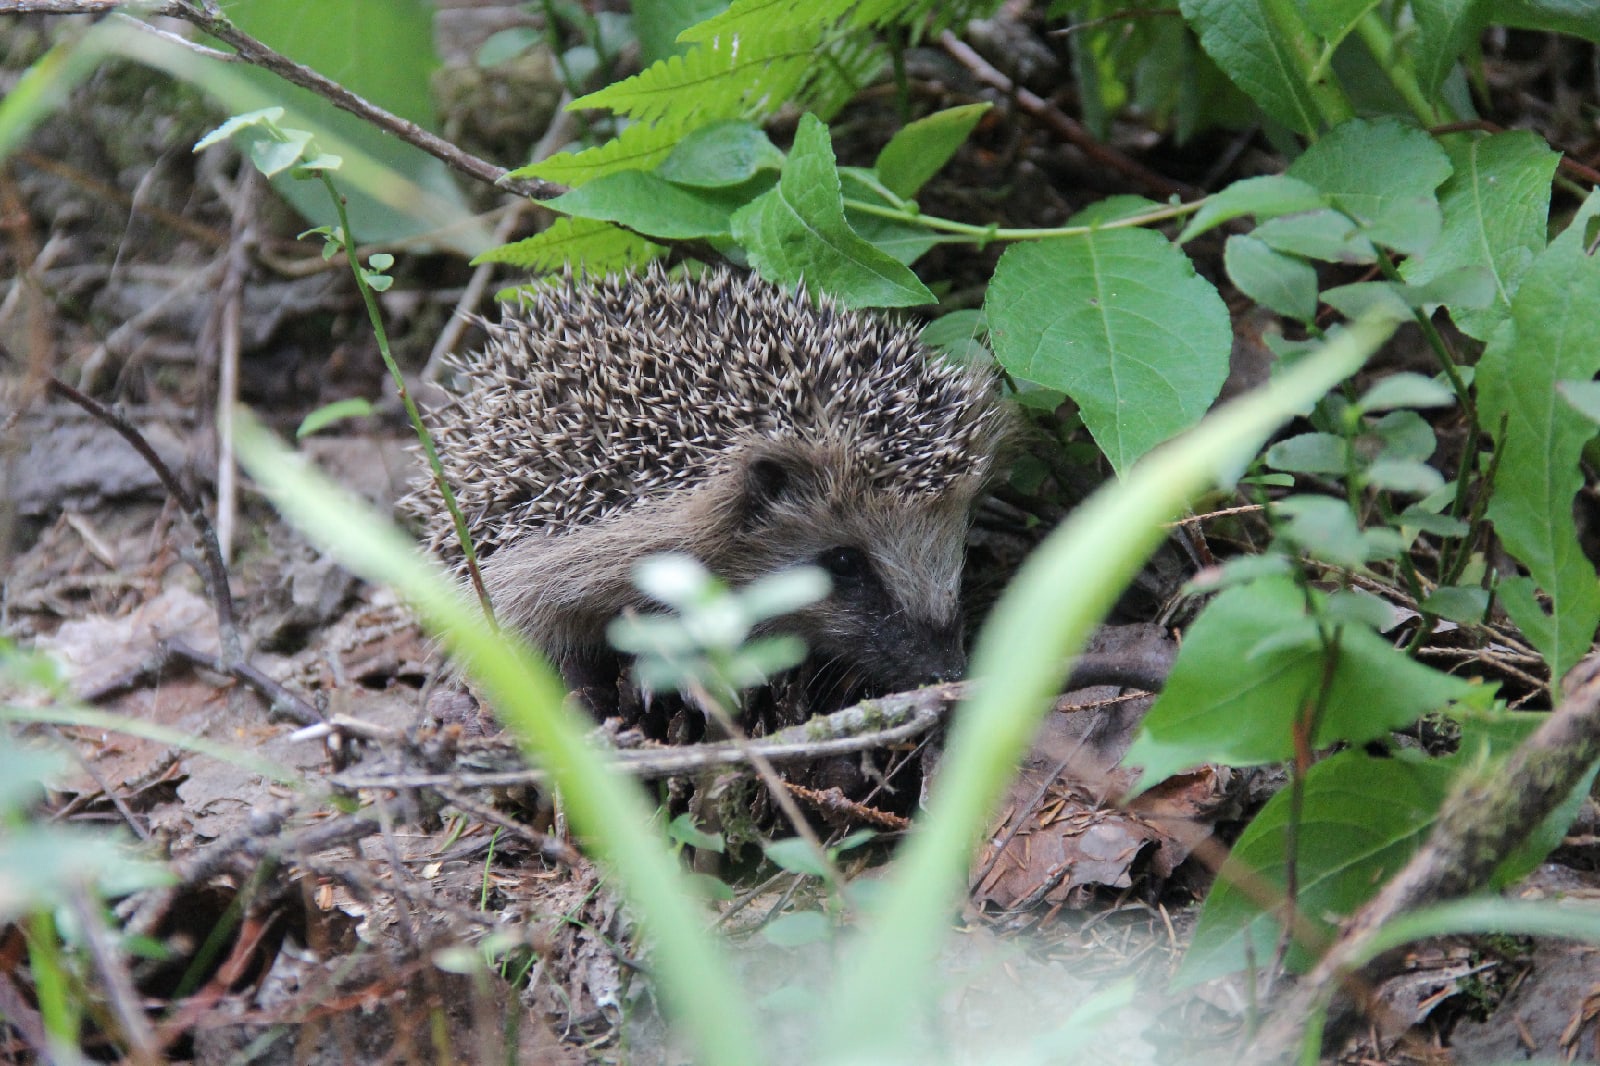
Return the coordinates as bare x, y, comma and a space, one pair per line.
1063, 125
214, 572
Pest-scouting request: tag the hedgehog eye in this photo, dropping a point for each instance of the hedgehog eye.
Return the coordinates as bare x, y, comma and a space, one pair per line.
845, 563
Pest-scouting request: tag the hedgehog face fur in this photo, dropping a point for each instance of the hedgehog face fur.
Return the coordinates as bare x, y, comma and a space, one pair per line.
728, 420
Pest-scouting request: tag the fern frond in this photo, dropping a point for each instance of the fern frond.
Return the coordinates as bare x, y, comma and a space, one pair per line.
730, 77
586, 244
927, 17
641, 146
769, 16
843, 68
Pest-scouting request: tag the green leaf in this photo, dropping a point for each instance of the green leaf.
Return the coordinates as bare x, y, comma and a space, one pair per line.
683, 830
959, 335
1458, 603
1325, 234
1406, 390
1577, 17
1362, 819
1214, 711
394, 191
1584, 396
1404, 435
1310, 453
1445, 31
585, 244
649, 205
330, 413
797, 232
1383, 174
1119, 321
1405, 476
659, 23
720, 78
1261, 56
921, 148
1332, 20
1550, 337
797, 929
1282, 283
1325, 527
796, 856
772, 14
721, 154
1495, 205
641, 146
1264, 197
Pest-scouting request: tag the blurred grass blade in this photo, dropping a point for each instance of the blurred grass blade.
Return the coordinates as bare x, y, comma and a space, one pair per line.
1050, 608
609, 812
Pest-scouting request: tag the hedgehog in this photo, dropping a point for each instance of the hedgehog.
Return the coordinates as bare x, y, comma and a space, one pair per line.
728, 419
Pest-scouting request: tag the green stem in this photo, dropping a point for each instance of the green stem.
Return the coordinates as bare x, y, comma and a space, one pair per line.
1379, 40
985, 234
1332, 105
428, 449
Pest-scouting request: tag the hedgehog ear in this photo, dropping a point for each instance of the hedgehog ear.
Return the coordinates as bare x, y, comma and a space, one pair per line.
769, 479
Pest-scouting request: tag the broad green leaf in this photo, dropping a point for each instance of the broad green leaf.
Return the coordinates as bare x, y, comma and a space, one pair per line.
659, 23
1581, 18
797, 232
1265, 58
1383, 174
1264, 197
1445, 30
721, 154
582, 243
1550, 337
393, 190
902, 242
1228, 702
1495, 203
1362, 819
1119, 321
1282, 283
1332, 20
649, 205
921, 148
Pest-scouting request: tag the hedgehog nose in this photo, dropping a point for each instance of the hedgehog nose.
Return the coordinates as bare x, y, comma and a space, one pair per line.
944, 664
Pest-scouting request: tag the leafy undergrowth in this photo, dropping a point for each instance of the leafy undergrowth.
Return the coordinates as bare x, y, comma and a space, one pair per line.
249, 824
